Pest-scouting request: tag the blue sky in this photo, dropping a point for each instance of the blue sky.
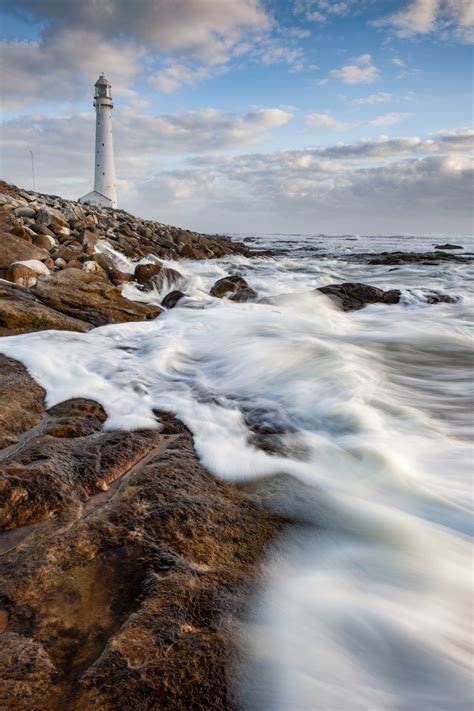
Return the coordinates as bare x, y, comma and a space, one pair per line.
240, 115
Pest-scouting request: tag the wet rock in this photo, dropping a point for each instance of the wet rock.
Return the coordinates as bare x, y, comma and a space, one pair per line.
243, 295
353, 296
21, 401
171, 299
448, 246
391, 258
118, 277
437, 297
15, 249
83, 295
128, 595
164, 279
144, 272
22, 312
228, 286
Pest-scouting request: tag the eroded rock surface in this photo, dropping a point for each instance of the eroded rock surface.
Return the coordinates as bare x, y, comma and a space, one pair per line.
352, 296
124, 565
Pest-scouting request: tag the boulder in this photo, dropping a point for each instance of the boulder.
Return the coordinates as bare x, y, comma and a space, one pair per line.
353, 296
448, 246
144, 272
41, 230
228, 286
24, 212
15, 249
21, 401
171, 299
26, 273
164, 279
22, 232
83, 295
243, 295
21, 312
44, 242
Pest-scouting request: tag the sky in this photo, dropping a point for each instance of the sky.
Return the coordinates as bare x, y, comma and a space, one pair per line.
314, 116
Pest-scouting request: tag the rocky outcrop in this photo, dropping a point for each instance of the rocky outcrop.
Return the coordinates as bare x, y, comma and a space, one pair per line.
234, 288
68, 237
81, 294
124, 565
353, 296
448, 246
21, 312
393, 258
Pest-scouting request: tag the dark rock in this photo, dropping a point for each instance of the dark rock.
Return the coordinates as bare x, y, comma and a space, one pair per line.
41, 230
413, 257
21, 312
84, 295
246, 294
353, 296
171, 299
228, 286
448, 246
25, 212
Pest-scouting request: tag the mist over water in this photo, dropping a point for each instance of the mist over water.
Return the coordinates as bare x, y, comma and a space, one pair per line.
366, 420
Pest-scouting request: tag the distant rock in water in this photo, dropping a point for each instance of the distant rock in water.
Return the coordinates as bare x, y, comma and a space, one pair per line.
414, 257
448, 246
353, 296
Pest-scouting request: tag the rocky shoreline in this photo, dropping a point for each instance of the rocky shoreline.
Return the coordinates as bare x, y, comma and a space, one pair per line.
125, 567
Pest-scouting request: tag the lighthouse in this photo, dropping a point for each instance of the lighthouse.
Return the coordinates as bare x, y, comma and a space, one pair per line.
104, 192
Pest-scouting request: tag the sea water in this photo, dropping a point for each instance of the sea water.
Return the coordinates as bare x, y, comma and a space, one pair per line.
366, 602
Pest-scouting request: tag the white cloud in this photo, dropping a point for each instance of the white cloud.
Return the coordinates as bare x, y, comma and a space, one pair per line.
380, 97
362, 71
449, 18
322, 10
389, 119
326, 121
176, 75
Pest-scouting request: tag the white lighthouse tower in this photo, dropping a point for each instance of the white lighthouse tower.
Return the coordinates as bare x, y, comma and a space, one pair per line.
104, 192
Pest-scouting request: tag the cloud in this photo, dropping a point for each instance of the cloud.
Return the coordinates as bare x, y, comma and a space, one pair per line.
389, 119
449, 18
322, 10
362, 71
326, 121
381, 97
123, 39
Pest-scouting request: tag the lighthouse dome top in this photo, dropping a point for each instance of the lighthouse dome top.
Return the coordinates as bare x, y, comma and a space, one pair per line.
102, 81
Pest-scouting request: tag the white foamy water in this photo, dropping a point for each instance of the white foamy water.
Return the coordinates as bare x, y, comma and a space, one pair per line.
366, 603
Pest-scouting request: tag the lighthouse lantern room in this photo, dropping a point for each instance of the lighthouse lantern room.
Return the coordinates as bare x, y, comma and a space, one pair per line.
104, 192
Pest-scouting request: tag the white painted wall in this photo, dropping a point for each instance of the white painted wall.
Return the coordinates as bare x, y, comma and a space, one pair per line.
104, 180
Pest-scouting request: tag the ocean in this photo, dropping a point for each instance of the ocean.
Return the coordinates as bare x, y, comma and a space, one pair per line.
357, 426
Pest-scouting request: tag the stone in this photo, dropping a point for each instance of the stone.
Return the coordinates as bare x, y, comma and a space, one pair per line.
164, 279
144, 272
171, 299
243, 295
24, 212
44, 242
393, 258
26, 273
15, 249
83, 295
21, 401
353, 296
448, 246
60, 263
89, 240
124, 588
21, 312
41, 229
22, 232
228, 286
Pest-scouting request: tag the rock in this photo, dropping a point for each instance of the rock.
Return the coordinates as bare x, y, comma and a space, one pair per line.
42, 230
24, 212
164, 279
128, 595
353, 296
25, 273
21, 312
60, 263
171, 299
436, 297
144, 272
22, 232
118, 277
89, 240
413, 257
448, 246
44, 242
94, 267
21, 401
51, 218
83, 295
15, 249
228, 286
246, 294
